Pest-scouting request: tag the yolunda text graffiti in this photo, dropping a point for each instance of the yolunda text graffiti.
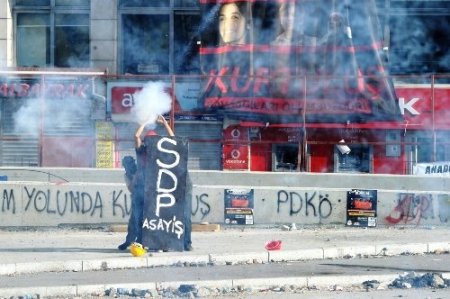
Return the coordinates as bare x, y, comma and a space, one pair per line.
9, 201
77, 202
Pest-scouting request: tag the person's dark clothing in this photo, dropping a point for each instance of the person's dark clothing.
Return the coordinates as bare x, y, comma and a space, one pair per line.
135, 186
188, 225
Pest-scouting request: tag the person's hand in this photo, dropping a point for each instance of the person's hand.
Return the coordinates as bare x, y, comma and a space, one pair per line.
161, 119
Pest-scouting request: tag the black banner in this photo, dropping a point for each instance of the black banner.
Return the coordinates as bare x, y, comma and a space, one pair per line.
165, 203
285, 60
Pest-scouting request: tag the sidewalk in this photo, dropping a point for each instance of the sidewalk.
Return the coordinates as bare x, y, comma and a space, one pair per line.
81, 250
71, 249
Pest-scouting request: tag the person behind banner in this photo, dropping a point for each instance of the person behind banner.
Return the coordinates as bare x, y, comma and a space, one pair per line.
141, 155
134, 179
233, 23
134, 231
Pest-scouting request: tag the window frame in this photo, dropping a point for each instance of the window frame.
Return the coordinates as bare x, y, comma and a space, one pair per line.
52, 11
361, 147
170, 10
280, 149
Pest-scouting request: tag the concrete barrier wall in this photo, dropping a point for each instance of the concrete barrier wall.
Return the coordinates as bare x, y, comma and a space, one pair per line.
100, 196
50, 204
325, 206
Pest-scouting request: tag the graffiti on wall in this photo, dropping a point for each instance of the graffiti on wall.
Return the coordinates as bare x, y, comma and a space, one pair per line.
200, 206
308, 204
65, 202
286, 203
411, 208
444, 207
8, 201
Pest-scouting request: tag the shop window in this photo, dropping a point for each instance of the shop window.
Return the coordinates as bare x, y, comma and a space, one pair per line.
145, 43
48, 2
186, 3
72, 2
358, 159
285, 157
185, 43
57, 31
32, 2
144, 3
160, 3
424, 150
155, 40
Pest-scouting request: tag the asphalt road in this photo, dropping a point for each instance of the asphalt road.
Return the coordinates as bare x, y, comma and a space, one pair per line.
339, 267
351, 294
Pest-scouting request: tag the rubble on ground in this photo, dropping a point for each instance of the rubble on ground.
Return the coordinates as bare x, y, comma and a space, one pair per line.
414, 280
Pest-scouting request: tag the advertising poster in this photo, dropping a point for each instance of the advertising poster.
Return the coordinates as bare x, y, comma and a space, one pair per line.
362, 208
104, 145
239, 206
255, 55
235, 148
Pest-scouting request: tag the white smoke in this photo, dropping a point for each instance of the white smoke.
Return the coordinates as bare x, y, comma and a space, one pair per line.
27, 118
50, 115
151, 101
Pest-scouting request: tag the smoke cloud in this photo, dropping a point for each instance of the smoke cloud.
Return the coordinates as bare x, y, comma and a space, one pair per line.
153, 100
53, 115
27, 118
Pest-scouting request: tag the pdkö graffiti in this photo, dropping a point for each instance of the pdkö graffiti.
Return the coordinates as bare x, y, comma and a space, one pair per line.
313, 204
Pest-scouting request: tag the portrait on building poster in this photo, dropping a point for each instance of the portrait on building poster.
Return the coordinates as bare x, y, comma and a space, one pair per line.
165, 172
362, 208
239, 206
282, 61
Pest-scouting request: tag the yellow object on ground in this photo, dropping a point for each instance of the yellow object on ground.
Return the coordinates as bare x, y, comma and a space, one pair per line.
136, 249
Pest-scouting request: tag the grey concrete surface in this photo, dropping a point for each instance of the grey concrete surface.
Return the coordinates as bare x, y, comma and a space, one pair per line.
49, 197
240, 178
86, 250
315, 273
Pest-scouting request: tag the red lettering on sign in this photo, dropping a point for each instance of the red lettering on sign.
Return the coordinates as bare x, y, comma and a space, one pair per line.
122, 98
234, 81
61, 90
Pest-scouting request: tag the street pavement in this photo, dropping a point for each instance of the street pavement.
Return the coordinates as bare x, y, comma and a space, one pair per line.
84, 249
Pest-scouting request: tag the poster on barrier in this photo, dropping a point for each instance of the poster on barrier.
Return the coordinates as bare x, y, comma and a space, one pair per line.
165, 172
239, 206
362, 208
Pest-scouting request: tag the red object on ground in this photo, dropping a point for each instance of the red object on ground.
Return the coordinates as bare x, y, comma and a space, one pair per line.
273, 245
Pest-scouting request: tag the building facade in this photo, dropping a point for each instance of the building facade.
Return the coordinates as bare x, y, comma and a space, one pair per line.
70, 70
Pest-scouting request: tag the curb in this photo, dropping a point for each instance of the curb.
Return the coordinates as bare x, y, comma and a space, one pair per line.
254, 283
225, 259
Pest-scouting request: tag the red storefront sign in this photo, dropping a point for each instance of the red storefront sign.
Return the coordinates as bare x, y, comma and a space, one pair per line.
235, 148
424, 107
56, 90
122, 98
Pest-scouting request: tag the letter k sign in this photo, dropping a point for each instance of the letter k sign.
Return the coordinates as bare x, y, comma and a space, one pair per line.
408, 106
